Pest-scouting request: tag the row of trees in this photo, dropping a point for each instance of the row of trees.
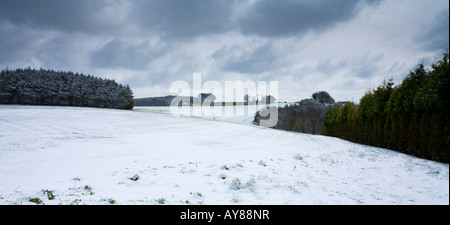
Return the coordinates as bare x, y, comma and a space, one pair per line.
412, 117
306, 116
49, 87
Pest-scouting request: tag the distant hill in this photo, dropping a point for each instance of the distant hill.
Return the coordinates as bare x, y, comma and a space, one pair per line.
166, 100
160, 101
49, 87
201, 98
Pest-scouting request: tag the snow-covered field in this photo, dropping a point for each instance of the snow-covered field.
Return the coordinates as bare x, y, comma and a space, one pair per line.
147, 156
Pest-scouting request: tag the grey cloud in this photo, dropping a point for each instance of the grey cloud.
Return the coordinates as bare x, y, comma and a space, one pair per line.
146, 79
436, 35
23, 46
292, 17
15, 42
172, 19
363, 67
153, 43
183, 19
68, 15
127, 53
366, 66
179, 19
237, 59
328, 66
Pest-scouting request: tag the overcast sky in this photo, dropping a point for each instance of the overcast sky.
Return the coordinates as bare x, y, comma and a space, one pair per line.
343, 47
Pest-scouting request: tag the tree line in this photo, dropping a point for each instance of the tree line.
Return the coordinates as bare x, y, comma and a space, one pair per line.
412, 117
306, 116
58, 88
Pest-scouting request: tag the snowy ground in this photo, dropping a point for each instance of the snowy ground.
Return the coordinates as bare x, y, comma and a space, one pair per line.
147, 156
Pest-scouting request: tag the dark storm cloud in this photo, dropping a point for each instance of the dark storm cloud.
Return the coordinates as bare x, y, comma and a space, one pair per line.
125, 53
181, 19
25, 23
185, 19
285, 18
73, 16
14, 42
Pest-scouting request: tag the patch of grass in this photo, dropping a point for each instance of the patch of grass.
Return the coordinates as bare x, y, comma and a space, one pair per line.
76, 202
198, 194
109, 200
134, 178
35, 200
161, 201
49, 194
88, 189
224, 167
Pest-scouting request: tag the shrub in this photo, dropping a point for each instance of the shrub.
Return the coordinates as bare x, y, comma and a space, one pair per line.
49, 194
161, 201
35, 200
134, 178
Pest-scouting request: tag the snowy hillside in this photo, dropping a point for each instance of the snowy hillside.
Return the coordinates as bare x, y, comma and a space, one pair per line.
67, 155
